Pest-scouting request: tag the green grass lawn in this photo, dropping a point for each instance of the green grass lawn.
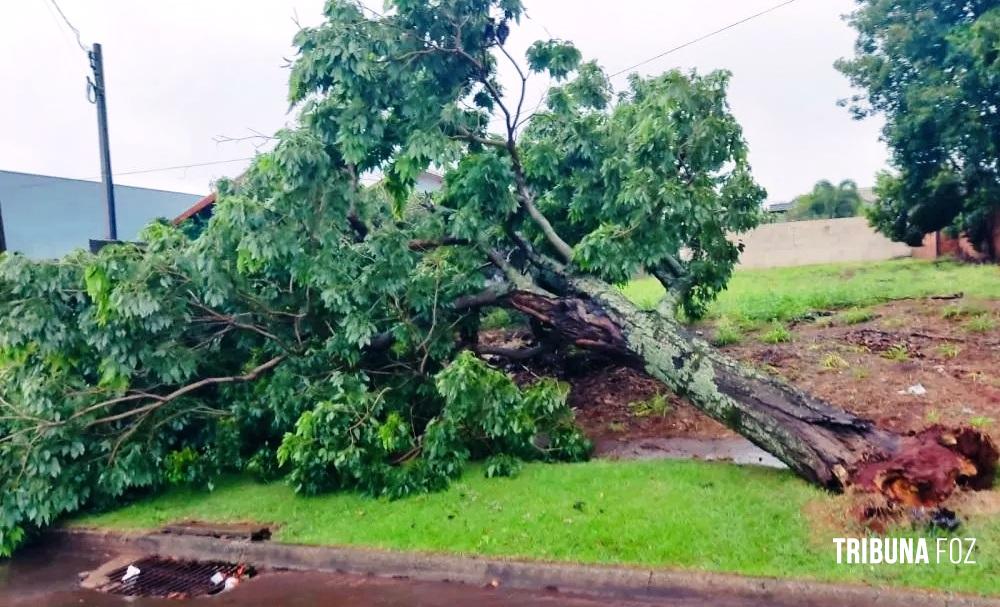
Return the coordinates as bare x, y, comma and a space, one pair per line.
757, 296
674, 514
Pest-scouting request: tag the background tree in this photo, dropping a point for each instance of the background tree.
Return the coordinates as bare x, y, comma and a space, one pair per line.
828, 201
932, 68
327, 332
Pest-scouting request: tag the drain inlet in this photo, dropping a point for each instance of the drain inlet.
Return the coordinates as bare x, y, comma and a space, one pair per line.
169, 578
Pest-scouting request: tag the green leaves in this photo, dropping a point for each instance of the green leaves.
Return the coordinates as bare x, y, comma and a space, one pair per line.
479, 189
367, 440
98, 288
526, 423
557, 57
931, 69
661, 173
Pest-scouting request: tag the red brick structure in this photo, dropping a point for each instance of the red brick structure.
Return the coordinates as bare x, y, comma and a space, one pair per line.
938, 244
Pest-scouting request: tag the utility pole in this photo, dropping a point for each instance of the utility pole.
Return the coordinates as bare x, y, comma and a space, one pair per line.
3, 239
100, 99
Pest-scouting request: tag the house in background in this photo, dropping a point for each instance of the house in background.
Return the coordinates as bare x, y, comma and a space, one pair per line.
778, 207
943, 244
47, 217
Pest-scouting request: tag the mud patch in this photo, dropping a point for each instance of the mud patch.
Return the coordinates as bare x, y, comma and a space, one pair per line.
618, 406
882, 342
847, 365
254, 532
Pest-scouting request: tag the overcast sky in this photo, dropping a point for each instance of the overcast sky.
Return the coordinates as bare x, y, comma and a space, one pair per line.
182, 72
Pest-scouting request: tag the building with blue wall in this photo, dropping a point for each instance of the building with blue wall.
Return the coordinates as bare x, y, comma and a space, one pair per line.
47, 217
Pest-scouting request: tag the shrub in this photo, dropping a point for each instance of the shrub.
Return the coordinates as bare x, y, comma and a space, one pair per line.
948, 350
833, 361
856, 316
778, 333
980, 324
654, 405
726, 334
897, 352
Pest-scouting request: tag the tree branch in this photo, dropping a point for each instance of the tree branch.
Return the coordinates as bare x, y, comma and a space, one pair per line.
512, 353
524, 83
163, 400
542, 262
513, 275
527, 202
486, 297
525, 198
470, 136
420, 245
231, 320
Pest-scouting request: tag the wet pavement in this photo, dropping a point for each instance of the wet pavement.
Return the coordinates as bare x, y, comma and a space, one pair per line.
47, 576
737, 450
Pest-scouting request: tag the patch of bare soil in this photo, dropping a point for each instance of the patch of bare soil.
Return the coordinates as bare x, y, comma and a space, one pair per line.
614, 404
907, 368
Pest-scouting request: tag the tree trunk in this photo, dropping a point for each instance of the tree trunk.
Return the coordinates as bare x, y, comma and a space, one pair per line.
822, 443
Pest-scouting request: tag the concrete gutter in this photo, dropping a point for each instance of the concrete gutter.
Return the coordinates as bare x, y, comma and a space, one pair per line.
599, 580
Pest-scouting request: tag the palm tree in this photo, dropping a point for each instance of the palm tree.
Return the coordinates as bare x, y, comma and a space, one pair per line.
828, 201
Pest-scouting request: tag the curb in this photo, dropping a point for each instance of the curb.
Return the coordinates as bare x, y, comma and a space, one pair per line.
597, 580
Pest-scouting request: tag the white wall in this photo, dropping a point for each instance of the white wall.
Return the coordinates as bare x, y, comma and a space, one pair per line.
799, 243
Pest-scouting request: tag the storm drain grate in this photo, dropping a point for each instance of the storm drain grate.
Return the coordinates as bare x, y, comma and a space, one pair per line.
168, 578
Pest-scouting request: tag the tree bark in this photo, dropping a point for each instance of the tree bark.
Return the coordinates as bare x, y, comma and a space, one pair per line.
819, 441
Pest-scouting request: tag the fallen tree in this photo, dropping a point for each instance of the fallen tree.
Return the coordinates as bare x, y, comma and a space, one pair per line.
821, 442
322, 330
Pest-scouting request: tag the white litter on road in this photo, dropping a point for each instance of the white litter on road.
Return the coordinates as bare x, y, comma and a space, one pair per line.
130, 573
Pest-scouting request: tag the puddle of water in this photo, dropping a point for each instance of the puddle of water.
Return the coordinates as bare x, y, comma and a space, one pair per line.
737, 450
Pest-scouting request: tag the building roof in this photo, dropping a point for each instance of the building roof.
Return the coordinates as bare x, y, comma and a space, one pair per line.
204, 203
47, 217
778, 207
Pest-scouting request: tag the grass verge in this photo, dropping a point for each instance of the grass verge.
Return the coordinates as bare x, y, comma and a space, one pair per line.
660, 514
757, 296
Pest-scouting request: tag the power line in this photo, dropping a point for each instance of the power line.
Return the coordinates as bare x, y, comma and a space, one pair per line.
668, 51
700, 38
72, 27
183, 166
63, 34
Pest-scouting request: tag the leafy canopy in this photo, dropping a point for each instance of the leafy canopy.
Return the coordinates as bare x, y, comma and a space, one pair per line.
932, 68
323, 331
